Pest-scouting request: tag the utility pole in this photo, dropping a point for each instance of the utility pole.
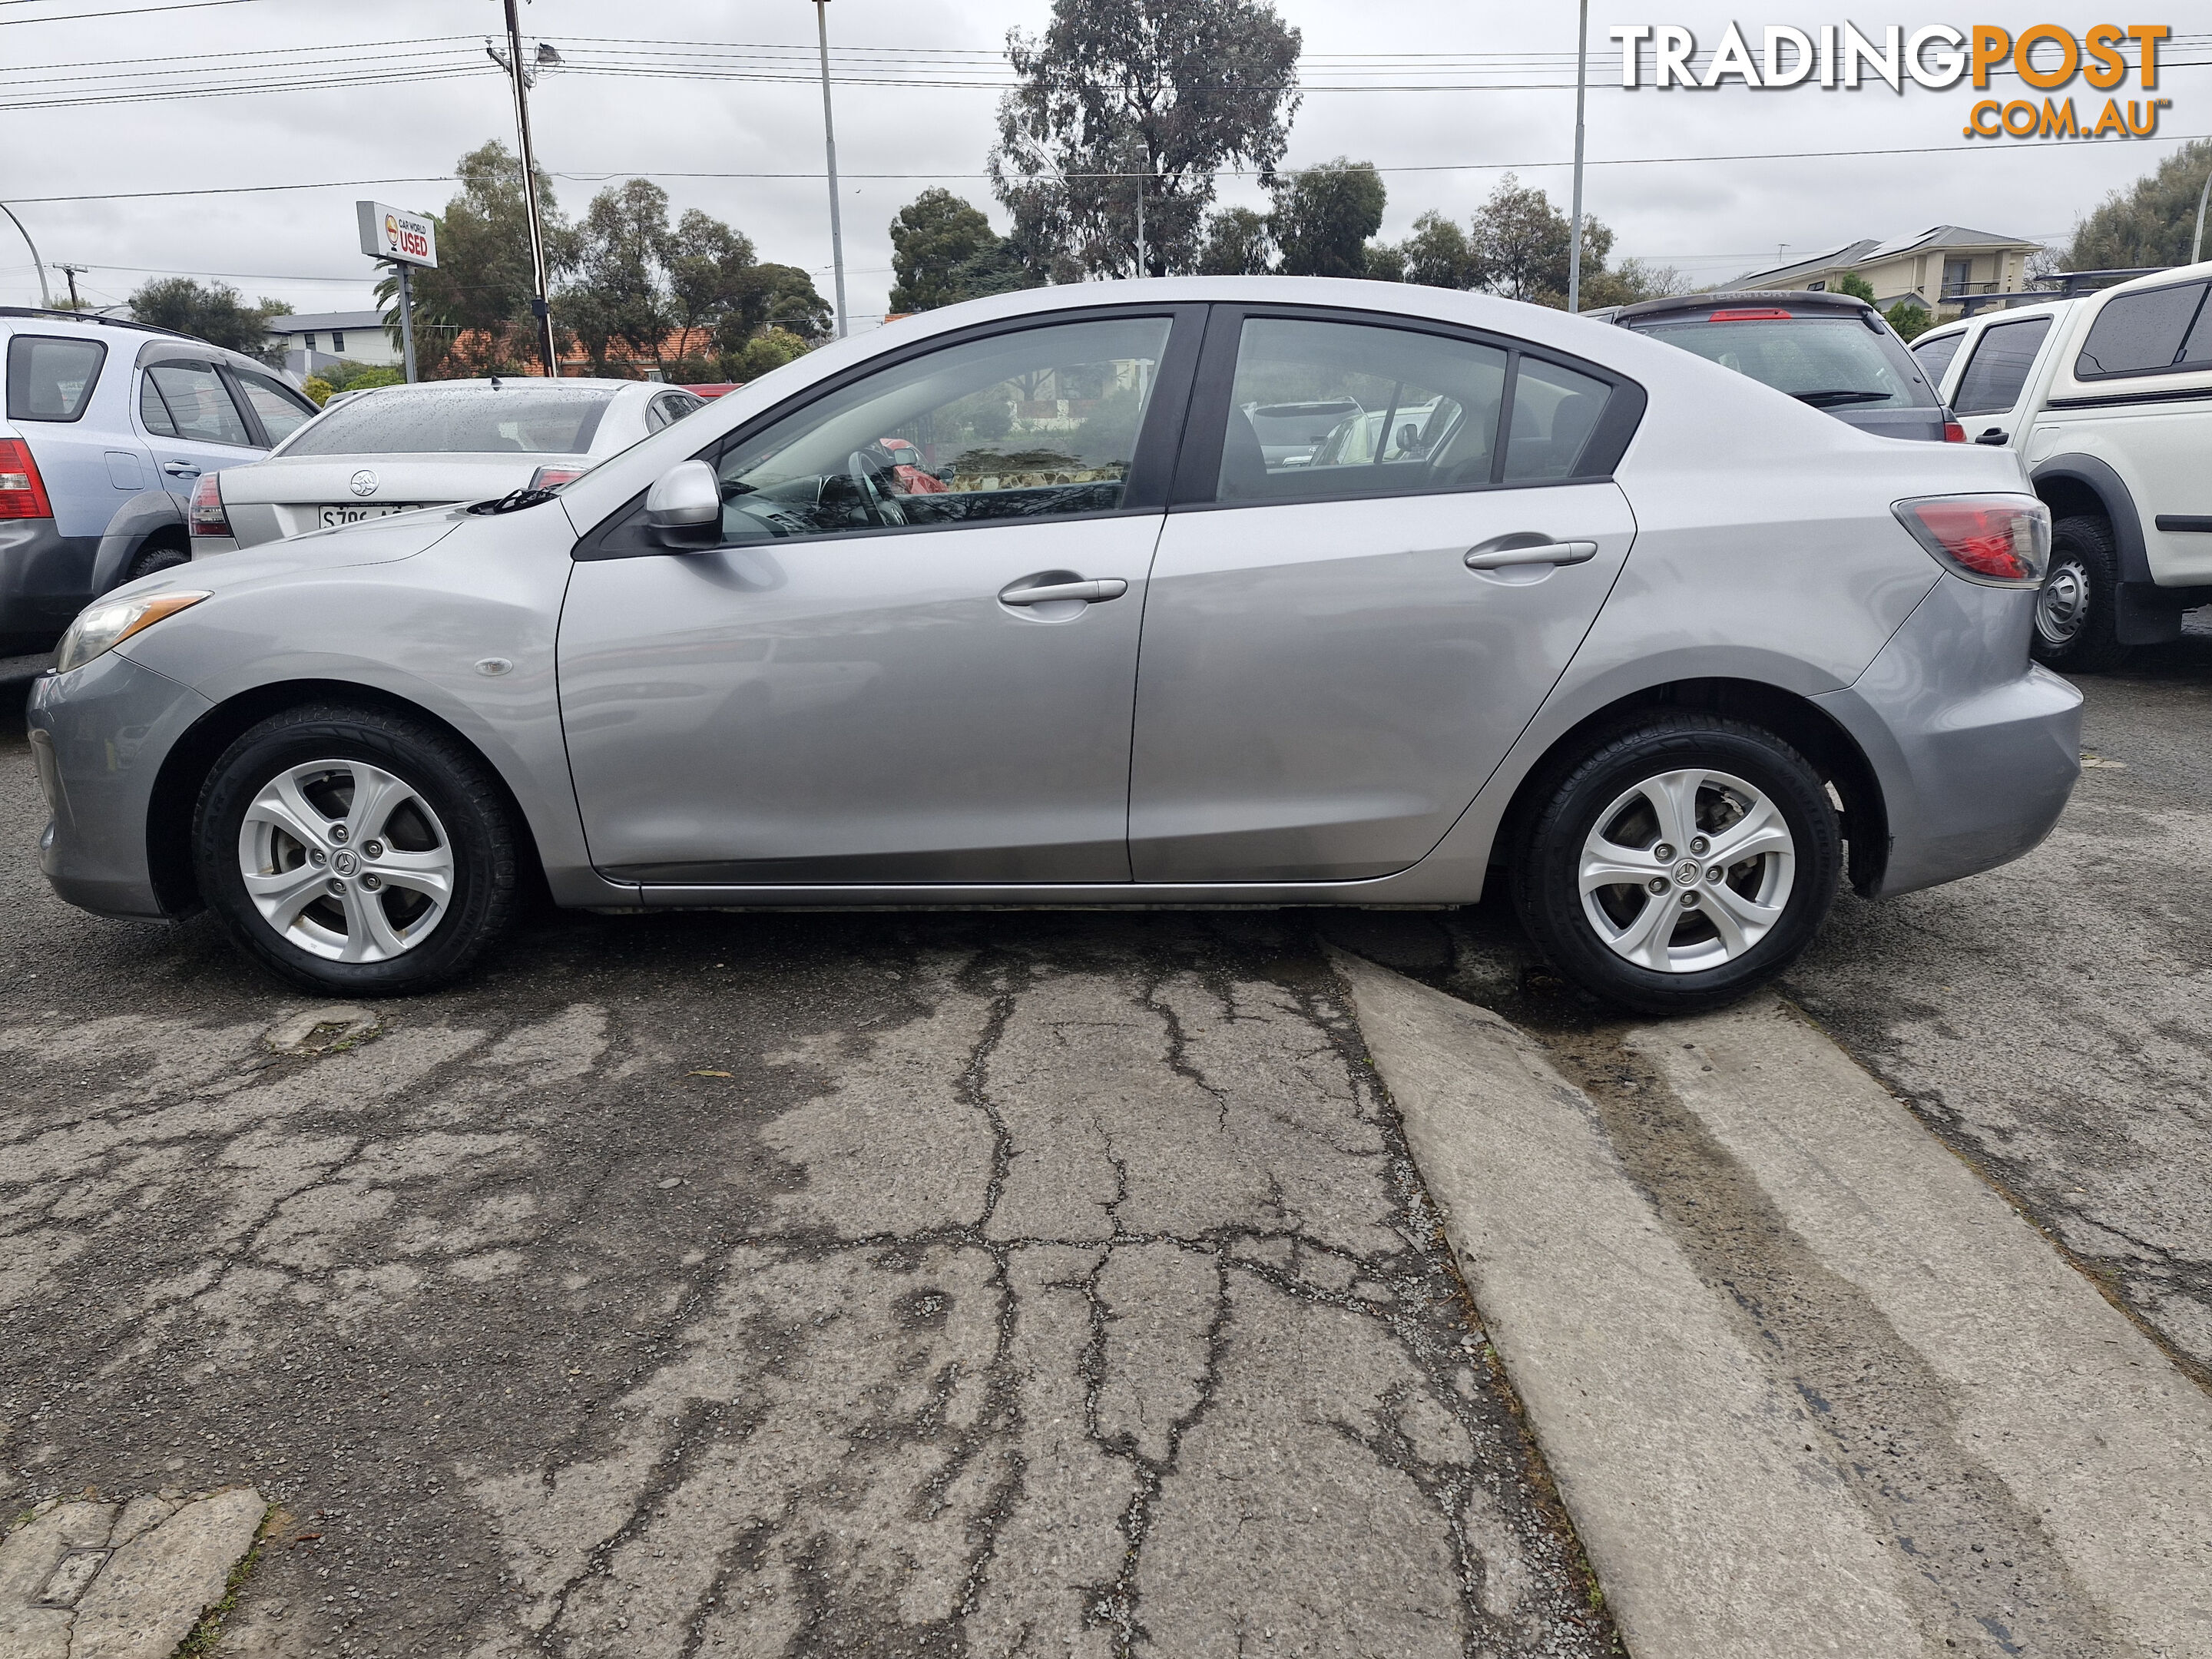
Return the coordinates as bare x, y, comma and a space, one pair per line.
406, 319
72, 273
1582, 84
46, 298
2196, 242
541, 302
830, 147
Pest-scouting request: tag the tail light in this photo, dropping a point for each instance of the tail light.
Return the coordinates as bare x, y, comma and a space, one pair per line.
207, 517
1954, 433
546, 476
22, 491
1999, 541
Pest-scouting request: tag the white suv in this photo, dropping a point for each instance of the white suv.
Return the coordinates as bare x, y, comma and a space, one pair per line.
2108, 399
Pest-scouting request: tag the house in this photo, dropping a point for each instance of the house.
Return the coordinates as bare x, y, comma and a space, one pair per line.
329, 336
1937, 269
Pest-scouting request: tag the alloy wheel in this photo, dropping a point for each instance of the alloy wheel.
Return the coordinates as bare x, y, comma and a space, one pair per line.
345, 861
1686, 870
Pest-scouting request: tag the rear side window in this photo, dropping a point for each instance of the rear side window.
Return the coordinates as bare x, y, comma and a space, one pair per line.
193, 404
2149, 333
51, 378
1934, 356
1555, 409
1998, 368
1830, 362
518, 418
282, 410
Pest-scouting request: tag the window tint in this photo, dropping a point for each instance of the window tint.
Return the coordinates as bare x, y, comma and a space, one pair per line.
1554, 411
152, 413
1321, 408
1935, 354
1998, 368
49, 379
198, 404
283, 411
520, 417
1039, 424
1829, 362
2139, 333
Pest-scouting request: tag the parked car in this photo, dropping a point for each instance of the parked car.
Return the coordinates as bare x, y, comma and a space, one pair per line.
1655, 660
1830, 350
107, 426
401, 448
2107, 400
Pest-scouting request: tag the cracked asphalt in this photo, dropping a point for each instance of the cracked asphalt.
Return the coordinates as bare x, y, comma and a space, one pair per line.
722, 1285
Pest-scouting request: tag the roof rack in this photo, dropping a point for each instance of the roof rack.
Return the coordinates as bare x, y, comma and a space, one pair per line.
2073, 284
60, 316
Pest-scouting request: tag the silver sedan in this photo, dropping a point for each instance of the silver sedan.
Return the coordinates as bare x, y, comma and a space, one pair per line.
1010, 603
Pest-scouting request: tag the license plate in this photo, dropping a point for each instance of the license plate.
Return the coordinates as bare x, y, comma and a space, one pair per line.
355, 512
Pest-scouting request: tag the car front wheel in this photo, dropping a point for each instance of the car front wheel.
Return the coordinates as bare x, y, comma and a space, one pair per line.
1679, 863
355, 852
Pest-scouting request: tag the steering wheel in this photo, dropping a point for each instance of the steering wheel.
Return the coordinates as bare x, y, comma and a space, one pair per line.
879, 504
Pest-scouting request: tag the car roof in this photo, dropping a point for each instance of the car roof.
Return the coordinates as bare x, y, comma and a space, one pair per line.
94, 319
1796, 300
2156, 279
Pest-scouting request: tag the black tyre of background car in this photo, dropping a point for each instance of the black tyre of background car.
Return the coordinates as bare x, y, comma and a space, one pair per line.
1549, 853
457, 786
2083, 560
156, 558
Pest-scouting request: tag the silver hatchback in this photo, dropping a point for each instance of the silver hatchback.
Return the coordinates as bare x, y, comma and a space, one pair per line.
1013, 604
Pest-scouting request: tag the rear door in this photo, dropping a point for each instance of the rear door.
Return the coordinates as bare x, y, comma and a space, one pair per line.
61, 401
193, 423
1341, 644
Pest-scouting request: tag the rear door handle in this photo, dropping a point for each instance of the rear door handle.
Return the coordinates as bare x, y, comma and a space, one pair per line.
1542, 553
180, 469
1995, 434
1110, 587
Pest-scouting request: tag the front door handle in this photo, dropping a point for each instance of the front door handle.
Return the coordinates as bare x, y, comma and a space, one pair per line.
1542, 553
1110, 587
180, 469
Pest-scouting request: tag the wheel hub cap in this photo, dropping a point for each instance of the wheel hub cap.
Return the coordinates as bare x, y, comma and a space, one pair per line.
1724, 903
295, 854
2063, 604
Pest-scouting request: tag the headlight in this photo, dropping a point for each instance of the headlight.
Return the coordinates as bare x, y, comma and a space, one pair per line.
103, 627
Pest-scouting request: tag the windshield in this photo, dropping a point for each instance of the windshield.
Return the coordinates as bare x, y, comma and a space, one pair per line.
1831, 362
514, 419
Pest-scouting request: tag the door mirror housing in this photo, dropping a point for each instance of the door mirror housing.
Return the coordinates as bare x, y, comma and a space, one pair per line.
683, 509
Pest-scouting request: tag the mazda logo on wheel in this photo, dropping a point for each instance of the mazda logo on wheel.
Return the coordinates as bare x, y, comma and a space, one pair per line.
363, 483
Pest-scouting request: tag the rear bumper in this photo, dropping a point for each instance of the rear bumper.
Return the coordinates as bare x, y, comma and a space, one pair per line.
102, 732
45, 578
1976, 749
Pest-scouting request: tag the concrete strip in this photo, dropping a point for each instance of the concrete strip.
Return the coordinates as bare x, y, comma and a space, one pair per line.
108, 1581
1716, 1528
2096, 1438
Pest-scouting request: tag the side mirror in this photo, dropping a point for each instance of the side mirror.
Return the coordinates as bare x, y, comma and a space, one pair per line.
683, 509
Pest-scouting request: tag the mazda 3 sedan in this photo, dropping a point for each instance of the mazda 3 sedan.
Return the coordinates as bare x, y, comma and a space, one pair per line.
1012, 604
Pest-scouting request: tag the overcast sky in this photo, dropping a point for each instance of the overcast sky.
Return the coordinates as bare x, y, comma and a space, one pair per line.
1712, 218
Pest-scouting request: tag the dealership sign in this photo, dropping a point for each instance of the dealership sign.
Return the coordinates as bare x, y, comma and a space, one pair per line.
394, 234
2045, 58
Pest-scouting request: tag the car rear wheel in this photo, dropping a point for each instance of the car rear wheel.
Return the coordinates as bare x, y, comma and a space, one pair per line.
2078, 612
355, 852
1679, 863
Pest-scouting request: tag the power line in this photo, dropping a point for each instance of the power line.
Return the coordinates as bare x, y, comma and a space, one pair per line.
139, 11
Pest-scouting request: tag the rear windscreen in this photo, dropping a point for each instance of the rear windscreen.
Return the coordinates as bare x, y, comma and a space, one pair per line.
1831, 362
51, 378
461, 420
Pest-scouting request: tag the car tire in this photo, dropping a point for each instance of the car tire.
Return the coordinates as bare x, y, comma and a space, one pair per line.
355, 852
1657, 802
2078, 612
154, 559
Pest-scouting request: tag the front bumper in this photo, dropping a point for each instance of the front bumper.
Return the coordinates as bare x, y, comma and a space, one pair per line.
100, 733
1976, 748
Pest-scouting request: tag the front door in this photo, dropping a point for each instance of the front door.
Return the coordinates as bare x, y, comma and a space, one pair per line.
1344, 635
913, 656
1989, 397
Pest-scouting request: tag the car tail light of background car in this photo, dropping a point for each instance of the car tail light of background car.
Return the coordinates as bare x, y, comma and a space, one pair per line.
546, 476
1954, 433
2000, 541
22, 491
207, 517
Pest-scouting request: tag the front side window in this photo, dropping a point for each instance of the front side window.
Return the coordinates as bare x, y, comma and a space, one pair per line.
1998, 368
1038, 424
1935, 353
283, 411
2144, 333
192, 403
51, 378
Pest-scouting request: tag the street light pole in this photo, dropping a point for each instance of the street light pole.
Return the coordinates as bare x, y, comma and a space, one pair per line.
45, 297
1582, 83
541, 302
830, 147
